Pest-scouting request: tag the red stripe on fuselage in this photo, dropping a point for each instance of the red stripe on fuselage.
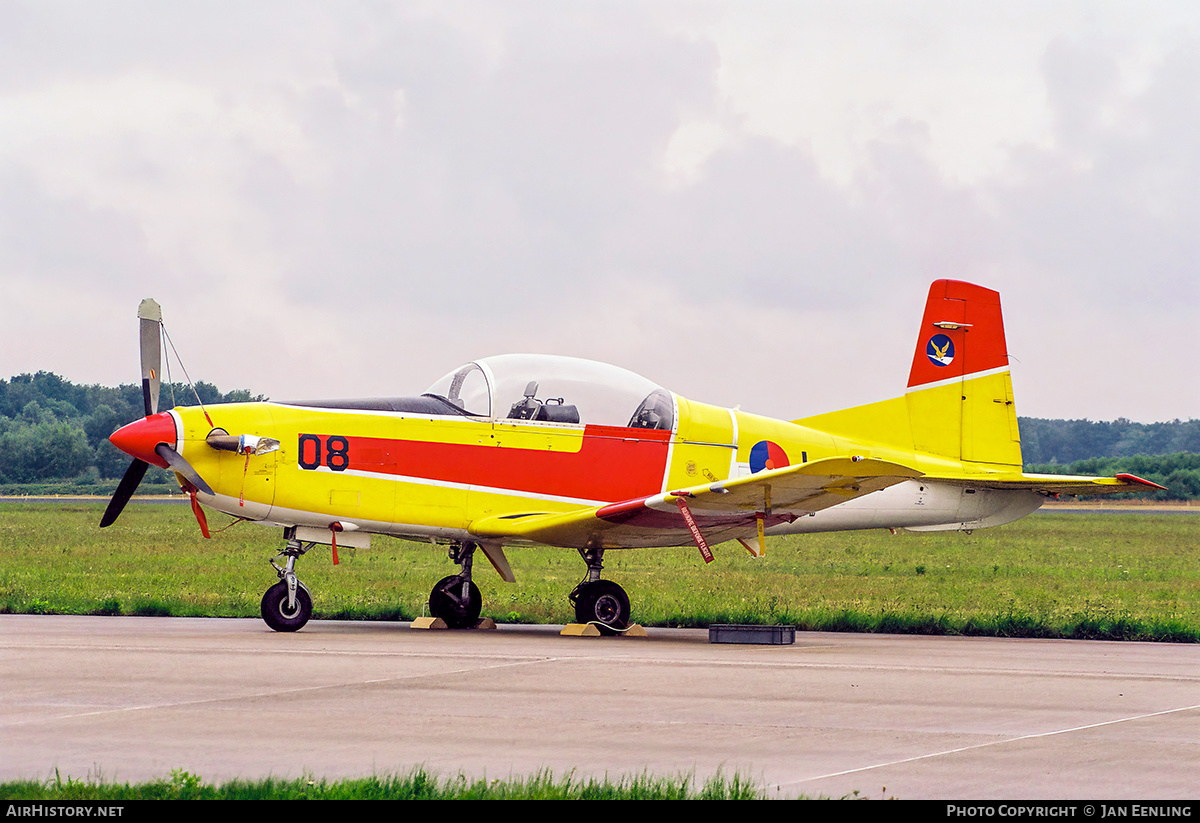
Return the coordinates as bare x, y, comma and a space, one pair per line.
611, 464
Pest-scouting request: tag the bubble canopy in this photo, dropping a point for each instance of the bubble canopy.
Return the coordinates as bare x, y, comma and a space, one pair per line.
556, 389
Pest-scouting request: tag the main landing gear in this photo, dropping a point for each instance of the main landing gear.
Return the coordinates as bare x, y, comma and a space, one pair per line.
601, 602
455, 599
287, 605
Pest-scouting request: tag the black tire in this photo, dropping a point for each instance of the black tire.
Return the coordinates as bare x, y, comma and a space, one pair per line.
604, 603
444, 602
275, 611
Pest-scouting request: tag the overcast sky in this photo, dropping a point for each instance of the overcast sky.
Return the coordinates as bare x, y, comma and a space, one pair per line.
743, 201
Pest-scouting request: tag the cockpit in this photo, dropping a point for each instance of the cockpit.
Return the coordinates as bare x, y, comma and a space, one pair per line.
555, 389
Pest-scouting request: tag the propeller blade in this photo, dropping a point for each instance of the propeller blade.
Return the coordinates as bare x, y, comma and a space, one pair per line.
180, 466
126, 488
150, 315
139, 437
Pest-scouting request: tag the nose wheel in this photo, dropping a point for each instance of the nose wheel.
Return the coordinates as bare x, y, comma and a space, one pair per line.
285, 613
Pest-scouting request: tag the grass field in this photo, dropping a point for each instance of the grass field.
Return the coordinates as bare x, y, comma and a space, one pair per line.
1122, 576
418, 784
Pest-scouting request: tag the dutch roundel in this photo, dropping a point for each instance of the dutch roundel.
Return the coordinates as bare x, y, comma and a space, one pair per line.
767, 455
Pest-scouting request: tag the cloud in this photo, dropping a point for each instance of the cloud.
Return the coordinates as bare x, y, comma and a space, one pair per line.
750, 200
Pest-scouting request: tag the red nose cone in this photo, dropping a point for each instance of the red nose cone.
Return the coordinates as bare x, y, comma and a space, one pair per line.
139, 438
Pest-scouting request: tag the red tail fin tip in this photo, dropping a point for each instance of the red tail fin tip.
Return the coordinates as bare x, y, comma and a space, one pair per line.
962, 333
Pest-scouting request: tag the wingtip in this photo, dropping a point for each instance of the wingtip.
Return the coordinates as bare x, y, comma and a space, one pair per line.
1134, 480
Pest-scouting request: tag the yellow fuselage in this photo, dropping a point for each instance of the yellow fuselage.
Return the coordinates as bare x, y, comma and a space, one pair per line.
434, 476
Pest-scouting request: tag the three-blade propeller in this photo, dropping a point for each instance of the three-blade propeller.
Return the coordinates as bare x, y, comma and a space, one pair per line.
142, 438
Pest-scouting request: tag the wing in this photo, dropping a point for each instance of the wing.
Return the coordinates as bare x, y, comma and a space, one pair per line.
723, 510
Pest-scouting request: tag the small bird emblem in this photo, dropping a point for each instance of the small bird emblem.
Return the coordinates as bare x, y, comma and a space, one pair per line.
940, 350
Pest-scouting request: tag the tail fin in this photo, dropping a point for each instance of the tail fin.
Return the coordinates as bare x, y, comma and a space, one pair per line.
959, 402
960, 398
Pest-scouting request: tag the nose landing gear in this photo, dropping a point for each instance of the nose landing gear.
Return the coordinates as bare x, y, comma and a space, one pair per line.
287, 605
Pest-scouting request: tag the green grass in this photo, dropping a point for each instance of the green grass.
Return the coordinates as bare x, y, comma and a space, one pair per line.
418, 784
1127, 576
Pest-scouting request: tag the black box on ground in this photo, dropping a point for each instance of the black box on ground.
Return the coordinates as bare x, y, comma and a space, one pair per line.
762, 635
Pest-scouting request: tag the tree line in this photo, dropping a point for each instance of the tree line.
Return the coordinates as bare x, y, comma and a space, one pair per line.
1166, 453
54, 433
1069, 441
54, 438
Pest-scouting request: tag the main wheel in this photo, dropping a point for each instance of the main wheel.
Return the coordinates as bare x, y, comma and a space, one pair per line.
275, 609
604, 603
445, 601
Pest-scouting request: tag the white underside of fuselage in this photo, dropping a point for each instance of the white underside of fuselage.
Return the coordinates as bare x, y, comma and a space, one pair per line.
921, 505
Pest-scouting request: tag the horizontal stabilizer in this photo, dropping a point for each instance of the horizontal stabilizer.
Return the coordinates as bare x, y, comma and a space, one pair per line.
1059, 483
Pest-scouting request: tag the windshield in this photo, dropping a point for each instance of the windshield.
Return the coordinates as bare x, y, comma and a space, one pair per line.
467, 388
557, 389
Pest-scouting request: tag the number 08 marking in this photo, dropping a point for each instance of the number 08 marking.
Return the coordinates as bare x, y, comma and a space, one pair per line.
335, 451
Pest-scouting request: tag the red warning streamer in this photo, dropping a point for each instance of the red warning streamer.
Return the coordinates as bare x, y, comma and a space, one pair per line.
334, 528
701, 543
196, 510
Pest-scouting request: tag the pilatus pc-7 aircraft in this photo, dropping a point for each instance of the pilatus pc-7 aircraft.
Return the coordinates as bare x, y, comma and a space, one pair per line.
581, 455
